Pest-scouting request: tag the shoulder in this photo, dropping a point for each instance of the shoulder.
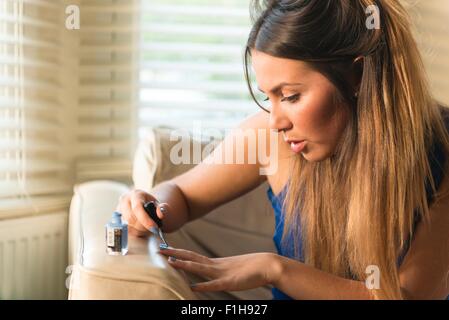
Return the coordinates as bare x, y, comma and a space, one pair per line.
273, 153
255, 120
258, 124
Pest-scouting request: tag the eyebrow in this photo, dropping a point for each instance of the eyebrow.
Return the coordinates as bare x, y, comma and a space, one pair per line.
280, 86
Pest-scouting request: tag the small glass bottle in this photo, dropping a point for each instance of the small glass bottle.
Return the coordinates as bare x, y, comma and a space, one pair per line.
116, 235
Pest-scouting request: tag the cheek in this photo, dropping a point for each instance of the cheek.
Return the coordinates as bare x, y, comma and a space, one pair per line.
318, 118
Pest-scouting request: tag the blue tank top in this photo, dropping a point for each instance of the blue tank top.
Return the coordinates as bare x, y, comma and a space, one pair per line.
437, 161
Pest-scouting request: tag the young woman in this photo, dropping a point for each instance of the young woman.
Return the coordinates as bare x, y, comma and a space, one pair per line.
362, 183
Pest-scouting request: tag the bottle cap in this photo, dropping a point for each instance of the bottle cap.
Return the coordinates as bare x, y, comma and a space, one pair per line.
116, 217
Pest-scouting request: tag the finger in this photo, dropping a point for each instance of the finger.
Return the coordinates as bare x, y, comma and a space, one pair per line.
197, 268
120, 202
213, 285
139, 228
137, 201
184, 255
137, 233
124, 207
162, 209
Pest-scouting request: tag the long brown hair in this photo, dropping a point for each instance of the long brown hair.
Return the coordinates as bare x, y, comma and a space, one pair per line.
357, 208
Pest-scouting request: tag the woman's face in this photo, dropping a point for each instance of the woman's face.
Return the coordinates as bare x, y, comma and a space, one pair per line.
302, 104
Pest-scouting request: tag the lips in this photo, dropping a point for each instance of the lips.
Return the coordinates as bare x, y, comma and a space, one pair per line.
289, 141
297, 146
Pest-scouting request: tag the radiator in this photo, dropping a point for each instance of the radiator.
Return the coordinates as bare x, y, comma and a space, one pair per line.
33, 257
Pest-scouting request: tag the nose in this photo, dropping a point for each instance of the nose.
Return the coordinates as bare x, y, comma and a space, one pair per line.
278, 119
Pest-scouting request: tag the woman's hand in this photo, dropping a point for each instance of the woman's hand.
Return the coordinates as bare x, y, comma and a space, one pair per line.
131, 207
234, 273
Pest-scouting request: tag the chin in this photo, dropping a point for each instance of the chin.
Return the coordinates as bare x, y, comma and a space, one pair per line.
310, 158
315, 155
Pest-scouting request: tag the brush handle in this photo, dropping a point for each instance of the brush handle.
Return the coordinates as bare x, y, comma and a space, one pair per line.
150, 208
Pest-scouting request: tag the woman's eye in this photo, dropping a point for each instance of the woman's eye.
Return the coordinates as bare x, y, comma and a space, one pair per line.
291, 99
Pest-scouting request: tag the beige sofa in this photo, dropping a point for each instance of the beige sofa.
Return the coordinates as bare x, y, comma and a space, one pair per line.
241, 226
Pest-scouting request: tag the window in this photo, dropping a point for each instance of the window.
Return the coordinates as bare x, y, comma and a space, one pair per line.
33, 171
191, 63
432, 34
148, 63
107, 89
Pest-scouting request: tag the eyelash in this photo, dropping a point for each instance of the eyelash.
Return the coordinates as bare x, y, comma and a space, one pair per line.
291, 99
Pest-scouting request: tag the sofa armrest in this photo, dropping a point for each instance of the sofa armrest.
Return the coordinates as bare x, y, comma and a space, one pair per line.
141, 274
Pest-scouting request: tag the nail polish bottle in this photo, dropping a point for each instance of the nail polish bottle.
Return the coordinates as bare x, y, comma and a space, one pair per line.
116, 235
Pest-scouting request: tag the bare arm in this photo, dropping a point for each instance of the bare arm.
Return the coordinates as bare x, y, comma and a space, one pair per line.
424, 274
215, 181
304, 282
202, 188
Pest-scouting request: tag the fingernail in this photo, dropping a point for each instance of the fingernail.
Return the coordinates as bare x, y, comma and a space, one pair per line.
171, 259
163, 246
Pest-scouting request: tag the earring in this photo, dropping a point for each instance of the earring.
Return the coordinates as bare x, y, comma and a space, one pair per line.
356, 94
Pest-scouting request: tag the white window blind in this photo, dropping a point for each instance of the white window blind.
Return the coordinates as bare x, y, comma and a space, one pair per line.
33, 172
430, 19
107, 89
191, 63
